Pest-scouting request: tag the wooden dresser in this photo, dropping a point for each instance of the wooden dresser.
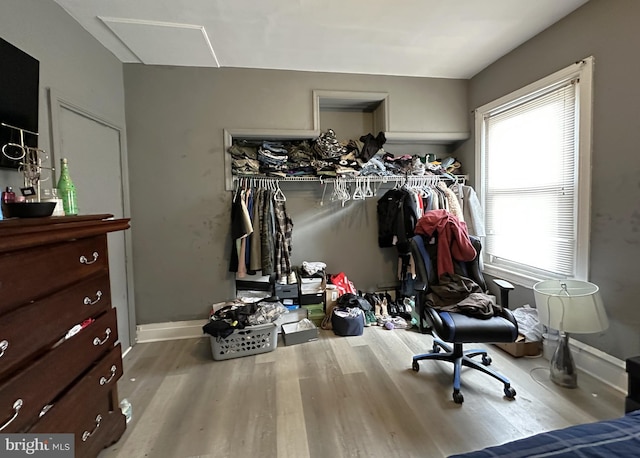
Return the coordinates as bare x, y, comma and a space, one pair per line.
54, 275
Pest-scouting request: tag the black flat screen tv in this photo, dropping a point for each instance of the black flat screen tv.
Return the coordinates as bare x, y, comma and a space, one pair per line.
19, 91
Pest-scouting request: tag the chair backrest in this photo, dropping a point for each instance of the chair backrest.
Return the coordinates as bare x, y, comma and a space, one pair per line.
425, 254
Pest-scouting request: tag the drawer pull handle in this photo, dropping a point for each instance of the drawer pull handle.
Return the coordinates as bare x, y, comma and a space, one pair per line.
16, 409
97, 340
84, 260
104, 380
3, 347
87, 434
87, 300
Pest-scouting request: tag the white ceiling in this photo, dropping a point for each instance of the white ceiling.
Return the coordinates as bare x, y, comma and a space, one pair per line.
434, 38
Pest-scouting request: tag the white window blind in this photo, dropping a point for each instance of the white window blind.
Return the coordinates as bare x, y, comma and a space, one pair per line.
534, 162
530, 182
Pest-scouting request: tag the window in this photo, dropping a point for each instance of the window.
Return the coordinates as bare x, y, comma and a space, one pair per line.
534, 165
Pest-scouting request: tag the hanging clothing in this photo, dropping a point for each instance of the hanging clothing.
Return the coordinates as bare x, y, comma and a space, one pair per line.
241, 227
255, 252
284, 231
397, 217
242, 241
267, 232
452, 201
473, 212
453, 239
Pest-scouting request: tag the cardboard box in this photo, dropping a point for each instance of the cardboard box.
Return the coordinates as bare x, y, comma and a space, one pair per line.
293, 316
520, 348
292, 336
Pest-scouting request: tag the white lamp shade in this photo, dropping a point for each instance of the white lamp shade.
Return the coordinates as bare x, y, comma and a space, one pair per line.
571, 306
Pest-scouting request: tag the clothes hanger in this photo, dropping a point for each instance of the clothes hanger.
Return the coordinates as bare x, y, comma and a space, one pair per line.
324, 189
368, 192
279, 195
358, 193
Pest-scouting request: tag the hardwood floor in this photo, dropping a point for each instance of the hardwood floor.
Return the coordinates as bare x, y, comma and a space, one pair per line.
338, 397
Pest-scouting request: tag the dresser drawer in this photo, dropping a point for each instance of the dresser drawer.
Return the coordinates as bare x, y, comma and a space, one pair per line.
96, 384
23, 396
77, 411
89, 425
33, 273
27, 331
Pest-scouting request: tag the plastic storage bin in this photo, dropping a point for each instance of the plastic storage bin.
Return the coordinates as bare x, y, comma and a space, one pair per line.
251, 340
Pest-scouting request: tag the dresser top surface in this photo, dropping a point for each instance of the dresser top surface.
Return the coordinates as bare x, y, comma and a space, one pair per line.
19, 233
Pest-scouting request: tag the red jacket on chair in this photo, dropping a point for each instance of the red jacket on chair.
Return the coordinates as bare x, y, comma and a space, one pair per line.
453, 239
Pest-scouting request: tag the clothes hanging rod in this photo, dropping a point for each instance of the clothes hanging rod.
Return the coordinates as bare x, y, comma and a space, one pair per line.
372, 178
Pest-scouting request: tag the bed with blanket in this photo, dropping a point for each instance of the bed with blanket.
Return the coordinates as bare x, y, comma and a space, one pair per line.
618, 438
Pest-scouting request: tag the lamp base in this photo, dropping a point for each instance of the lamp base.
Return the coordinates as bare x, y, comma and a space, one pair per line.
563, 369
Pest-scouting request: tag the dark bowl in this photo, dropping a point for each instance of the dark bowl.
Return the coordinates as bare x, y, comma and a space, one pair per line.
28, 209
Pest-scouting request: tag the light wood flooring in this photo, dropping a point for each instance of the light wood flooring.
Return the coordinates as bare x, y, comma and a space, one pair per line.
338, 397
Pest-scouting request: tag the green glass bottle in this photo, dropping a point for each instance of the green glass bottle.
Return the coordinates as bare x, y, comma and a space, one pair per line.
67, 190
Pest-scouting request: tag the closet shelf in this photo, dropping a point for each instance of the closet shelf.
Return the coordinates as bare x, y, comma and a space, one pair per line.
425, 138
392, 138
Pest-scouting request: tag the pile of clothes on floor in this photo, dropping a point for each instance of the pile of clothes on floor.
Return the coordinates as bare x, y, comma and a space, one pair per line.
328, 157
237, 314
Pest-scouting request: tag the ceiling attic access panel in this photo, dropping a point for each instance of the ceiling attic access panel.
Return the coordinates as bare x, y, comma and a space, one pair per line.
350, 114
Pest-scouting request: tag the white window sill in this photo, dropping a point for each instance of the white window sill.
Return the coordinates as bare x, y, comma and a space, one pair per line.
517, 278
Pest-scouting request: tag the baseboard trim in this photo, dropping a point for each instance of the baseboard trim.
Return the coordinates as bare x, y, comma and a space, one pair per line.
604, 367
172, 330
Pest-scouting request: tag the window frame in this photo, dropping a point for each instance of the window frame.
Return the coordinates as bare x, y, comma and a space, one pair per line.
584, 99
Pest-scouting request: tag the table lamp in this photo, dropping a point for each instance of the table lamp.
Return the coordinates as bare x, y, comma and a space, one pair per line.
569, 306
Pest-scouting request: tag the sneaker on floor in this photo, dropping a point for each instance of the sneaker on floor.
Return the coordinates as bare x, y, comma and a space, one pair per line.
397, 321
400, 323
370, 318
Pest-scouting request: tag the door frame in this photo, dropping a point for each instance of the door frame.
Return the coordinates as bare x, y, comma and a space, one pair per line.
57, 102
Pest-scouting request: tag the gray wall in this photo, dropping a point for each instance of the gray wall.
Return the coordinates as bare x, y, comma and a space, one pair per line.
175, 121
72, 63
608, 30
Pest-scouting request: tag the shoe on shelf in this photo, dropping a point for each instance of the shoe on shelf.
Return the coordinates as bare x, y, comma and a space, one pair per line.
282, 279
292, 278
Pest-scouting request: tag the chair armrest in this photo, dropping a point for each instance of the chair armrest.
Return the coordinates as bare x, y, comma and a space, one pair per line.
503, 284
505, 287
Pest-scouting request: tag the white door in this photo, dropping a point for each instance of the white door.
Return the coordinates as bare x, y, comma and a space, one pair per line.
93, 149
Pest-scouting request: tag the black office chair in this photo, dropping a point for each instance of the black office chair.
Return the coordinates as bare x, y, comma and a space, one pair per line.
457, 328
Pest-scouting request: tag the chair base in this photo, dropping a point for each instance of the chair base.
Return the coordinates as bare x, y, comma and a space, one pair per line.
459, 358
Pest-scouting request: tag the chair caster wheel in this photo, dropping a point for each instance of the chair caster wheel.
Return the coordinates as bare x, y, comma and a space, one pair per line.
510, 392
416, 366
486, 360
435, 349
457, 397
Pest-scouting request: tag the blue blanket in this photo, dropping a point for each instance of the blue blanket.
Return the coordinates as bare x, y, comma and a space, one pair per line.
617, 438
